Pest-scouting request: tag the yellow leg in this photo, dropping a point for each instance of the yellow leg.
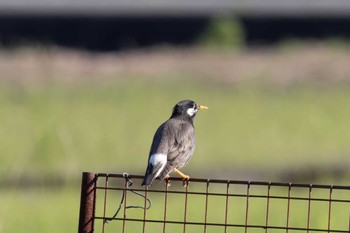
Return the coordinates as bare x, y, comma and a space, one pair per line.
186, 177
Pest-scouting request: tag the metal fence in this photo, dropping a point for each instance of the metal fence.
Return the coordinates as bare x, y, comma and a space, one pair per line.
118, 203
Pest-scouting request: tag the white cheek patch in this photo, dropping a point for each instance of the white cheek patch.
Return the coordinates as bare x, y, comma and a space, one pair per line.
191, 111
158, 160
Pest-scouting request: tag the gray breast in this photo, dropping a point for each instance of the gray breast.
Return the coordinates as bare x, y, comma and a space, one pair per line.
183, 144
176, 139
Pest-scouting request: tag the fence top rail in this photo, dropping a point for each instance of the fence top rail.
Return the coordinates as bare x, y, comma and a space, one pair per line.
241, 182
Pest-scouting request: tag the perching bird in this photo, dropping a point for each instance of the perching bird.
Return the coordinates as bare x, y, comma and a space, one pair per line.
173, 143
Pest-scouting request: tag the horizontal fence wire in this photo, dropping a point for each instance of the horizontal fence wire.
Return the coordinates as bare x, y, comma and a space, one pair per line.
214, 205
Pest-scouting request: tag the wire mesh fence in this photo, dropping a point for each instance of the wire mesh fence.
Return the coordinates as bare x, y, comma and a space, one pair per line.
118, 203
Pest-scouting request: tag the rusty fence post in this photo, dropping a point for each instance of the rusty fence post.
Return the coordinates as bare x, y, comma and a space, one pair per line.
87, 203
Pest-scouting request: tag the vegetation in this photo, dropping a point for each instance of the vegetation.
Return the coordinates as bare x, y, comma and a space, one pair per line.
224, 32
258, 128
60, 130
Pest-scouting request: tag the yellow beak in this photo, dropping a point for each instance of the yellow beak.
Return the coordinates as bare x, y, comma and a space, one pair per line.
202, 107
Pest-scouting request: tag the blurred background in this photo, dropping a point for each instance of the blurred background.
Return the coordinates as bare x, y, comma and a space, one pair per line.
85, 84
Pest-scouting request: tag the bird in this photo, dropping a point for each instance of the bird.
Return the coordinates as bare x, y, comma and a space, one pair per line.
173, 143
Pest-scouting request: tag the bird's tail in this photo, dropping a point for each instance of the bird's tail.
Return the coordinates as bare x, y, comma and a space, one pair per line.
147, 181
149, 176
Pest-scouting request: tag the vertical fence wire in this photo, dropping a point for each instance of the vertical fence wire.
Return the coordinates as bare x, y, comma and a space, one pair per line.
185, 209
125, 201
105, 204
165, 205
144, 211
247, 197
330, 208
226, 205
267, 207
206, 205
247, 209
309, 209
288, 206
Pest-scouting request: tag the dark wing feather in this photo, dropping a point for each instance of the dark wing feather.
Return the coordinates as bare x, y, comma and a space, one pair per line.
159, 145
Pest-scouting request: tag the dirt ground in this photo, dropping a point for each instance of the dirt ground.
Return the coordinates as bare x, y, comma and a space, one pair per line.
317, 63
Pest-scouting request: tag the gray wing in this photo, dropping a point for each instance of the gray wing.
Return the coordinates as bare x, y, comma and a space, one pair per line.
181, 147
160, 141
159, 149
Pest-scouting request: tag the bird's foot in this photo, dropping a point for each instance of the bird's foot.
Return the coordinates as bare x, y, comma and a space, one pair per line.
166, 181
186, 181
185, 178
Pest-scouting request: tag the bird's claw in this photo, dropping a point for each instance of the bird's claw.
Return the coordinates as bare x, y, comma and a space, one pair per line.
186, 181
166, 181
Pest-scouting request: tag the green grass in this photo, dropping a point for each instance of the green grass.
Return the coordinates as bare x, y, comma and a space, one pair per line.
66, 130
39, 210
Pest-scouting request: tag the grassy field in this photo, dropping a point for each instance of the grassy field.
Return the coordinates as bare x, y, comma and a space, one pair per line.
255, 128
62, 131
39, 210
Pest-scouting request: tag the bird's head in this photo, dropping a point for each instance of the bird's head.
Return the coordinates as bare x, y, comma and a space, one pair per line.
187, 108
